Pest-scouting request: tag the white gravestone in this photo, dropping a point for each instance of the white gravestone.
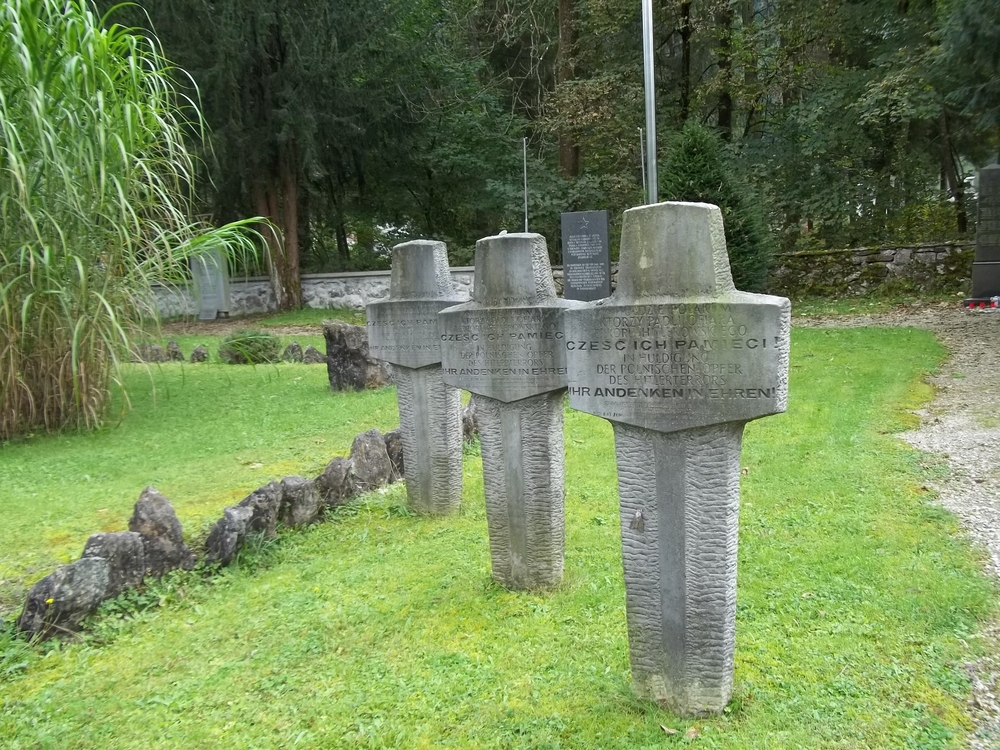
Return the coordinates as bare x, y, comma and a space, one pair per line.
404, 332
679, 360
506, 347
211, 281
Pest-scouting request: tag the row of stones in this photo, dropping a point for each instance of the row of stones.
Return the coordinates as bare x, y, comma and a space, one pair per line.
154, 544
154, 353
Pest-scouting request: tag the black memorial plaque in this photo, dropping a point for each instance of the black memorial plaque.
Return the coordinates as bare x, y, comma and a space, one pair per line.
986, 267
586, 255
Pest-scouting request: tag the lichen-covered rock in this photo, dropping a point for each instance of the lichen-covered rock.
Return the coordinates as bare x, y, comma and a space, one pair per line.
126, 556
470, 428
336, 483
227, 535
265, 502
150, 353
292, 353
174, 353
300, 503
60, 601
311, 356
370, 464
162, 535
348, 362
199, 354
394, 449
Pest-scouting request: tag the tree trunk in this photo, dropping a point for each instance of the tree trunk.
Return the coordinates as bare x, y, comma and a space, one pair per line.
288, 272
956, 187
569, 152
750, 76
724, 23
685, 29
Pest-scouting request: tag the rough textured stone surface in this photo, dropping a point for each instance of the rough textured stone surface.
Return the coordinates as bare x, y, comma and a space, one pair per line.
265, 502
404, 331
336, 484
162, 535
126, 556
59, 602
227, 535
300, 502
348, 362
523, 480
292, 353
312, 356
174, 353
153, 353
470, 427
370, 464
394, 449
679, 360
199, 354
507, 347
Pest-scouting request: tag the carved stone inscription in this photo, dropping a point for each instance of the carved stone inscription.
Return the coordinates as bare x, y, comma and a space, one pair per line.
674, 366
506, 353
406, 333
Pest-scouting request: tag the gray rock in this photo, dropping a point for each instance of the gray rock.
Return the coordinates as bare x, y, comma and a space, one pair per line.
227, 535
153, 353
370, 464
336, 483
348, 361
394, 449
174, 353
300, 502
59, 602
264, 502
162, 535
292, 353
311, 356
470, 428
126, 556
199, 354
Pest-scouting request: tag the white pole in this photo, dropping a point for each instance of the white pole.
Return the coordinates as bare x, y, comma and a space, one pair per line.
642, 164
647, 59
525, 143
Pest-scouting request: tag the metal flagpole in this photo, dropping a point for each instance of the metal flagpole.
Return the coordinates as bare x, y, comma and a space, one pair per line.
642, 164
647, 59
525, 184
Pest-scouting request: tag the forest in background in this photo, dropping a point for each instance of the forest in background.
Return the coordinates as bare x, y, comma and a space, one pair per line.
354, 125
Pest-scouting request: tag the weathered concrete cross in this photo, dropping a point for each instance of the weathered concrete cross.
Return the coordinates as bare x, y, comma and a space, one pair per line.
506, 347
404, 332
679, 361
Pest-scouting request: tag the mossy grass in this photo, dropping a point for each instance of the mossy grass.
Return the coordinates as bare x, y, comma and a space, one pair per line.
859, 600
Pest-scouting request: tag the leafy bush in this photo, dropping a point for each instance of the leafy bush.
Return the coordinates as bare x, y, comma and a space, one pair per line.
250, 347
695, 171
95, 197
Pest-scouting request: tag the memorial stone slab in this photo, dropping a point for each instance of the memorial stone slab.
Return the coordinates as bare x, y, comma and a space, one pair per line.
986, 266
586, 255
211, 279
506, 347
404, 332
679, 360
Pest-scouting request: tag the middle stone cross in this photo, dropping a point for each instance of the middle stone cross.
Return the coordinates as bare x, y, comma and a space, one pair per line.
506, 347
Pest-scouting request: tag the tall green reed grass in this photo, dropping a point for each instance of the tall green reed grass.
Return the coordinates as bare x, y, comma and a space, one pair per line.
96, 203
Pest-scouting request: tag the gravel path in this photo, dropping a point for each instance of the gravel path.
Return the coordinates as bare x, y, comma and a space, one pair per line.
962, 425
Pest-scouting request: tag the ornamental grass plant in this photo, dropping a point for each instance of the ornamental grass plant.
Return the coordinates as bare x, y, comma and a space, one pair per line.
95, 205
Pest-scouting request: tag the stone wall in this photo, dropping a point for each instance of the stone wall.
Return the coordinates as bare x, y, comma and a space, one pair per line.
946, 267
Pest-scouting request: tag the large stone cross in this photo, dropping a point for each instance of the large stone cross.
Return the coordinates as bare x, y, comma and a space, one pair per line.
506, 347
404, 332
679, 360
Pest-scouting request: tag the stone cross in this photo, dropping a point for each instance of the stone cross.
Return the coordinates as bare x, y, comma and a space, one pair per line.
404, 332
506, 347
679, 361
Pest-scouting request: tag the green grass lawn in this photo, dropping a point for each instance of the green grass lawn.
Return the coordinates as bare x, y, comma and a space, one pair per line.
858, 598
